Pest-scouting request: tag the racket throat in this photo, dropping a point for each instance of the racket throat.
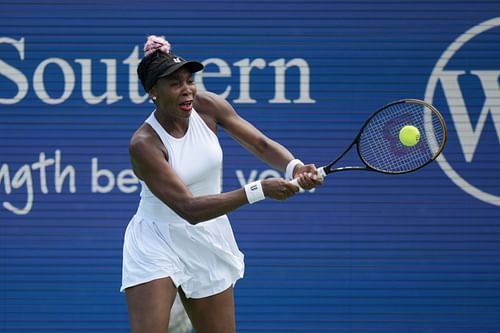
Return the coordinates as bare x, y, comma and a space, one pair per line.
351, 168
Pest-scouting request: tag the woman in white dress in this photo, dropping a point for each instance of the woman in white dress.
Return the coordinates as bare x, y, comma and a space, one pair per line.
180, 239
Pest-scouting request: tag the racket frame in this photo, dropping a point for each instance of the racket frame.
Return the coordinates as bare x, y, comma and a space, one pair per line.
327, 169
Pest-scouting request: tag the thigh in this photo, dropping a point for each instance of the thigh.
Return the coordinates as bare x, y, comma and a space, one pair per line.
149, 305
213, 314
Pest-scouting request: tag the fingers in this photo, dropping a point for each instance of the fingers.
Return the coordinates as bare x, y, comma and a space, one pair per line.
310, 168
278, 188
308, 180
307, 177
286, 190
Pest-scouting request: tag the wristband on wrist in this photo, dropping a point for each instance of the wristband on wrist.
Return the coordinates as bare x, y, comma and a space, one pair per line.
254, 192
291, 166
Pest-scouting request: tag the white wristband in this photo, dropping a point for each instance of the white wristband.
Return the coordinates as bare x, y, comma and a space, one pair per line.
291, 166
254, 192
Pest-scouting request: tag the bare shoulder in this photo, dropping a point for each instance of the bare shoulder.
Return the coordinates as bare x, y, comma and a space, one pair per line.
144, 147
143, 136
212, 107
206, 101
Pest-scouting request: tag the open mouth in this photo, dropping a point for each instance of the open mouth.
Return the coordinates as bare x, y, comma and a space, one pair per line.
186, 106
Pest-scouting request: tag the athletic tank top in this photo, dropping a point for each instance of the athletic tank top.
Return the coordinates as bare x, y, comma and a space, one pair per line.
197, 160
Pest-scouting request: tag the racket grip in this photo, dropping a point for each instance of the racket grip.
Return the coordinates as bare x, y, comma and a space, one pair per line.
295, 182
320, 172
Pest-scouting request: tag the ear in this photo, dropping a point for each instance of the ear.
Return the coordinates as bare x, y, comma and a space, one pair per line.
153, 94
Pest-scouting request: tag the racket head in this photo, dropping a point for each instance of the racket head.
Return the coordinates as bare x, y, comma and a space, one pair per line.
380, 148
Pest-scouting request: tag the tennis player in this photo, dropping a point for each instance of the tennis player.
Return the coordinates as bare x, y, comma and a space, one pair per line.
180, 239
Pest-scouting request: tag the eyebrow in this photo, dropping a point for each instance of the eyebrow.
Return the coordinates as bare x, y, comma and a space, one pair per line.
178, 76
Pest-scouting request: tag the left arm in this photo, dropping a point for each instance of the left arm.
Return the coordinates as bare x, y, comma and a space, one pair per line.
264, 148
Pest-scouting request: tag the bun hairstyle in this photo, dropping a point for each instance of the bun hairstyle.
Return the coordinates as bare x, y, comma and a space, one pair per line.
156, 50
156, 43
159, 62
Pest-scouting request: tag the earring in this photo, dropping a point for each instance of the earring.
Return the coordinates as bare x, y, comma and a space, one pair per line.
153, 98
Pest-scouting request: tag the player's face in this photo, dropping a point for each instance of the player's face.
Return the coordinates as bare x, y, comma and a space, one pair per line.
176, 92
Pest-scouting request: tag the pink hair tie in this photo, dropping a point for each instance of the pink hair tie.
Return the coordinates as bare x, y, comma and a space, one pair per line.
156, 43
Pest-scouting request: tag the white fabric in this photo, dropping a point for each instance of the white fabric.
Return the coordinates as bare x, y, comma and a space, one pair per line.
291, 167
203, 259
254, 192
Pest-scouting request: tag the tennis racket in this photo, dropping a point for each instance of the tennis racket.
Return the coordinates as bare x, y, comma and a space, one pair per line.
380, 147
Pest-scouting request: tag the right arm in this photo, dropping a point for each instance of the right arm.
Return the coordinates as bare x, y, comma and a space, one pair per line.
150, 163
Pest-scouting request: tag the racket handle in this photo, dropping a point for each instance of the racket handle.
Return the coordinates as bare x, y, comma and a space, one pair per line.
320, 172
295, 182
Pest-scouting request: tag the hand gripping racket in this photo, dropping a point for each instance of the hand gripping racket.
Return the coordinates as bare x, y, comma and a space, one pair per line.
383, 146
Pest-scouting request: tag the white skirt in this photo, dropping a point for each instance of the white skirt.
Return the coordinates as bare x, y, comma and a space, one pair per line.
203, 259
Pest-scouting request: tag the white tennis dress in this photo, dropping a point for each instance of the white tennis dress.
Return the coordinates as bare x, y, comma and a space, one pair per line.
203, 259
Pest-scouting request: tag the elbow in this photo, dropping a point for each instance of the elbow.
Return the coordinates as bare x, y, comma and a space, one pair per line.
193, 219
189, 213
185, 206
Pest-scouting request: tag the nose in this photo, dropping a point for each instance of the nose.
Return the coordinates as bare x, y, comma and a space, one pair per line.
187, 88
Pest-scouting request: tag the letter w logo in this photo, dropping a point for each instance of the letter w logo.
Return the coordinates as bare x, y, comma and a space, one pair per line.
467, 135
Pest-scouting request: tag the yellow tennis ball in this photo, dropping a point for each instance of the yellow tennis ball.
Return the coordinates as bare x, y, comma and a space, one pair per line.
409, 135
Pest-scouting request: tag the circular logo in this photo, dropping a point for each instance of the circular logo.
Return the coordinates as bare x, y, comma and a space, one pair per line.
437, 74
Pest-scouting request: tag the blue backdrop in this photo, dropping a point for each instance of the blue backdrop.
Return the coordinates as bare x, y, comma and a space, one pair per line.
365, 253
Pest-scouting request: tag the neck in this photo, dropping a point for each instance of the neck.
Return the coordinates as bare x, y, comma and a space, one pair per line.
175, 126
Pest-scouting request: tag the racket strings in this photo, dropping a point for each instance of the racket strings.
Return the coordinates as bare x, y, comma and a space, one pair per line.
379, 145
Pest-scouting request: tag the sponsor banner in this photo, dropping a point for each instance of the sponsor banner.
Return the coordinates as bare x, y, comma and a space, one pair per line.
365, 252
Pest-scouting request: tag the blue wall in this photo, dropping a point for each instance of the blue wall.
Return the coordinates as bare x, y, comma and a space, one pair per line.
365, 253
